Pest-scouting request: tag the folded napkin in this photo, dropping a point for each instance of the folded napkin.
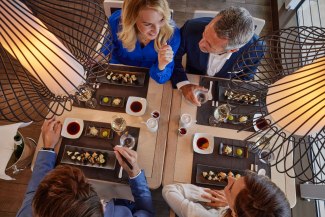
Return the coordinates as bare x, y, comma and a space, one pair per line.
7, 133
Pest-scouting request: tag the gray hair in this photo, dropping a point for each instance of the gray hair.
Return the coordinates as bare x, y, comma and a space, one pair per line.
236, 25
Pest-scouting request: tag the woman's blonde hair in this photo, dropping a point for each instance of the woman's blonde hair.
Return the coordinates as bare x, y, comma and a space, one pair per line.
130, 13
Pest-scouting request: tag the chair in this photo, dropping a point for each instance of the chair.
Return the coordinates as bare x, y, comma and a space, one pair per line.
258, 23
110, 6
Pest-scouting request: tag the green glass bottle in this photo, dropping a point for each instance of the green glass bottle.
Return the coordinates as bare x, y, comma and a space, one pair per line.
19, 145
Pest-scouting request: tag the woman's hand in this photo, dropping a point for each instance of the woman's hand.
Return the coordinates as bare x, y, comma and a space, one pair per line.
217, 197
165, 56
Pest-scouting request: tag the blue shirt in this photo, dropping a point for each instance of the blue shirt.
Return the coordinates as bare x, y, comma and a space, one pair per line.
141, 56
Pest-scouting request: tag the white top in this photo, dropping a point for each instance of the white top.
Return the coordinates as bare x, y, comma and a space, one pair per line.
215, 64
185, 200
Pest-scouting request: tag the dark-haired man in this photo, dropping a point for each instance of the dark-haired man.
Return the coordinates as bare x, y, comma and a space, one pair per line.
65, 192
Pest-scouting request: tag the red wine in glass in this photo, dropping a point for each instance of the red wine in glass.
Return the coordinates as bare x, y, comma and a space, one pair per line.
155, 115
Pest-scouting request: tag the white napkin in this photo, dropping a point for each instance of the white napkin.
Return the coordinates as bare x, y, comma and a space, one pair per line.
7, 133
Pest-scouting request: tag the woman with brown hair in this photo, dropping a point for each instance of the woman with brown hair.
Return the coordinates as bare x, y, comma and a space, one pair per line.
144, 35
249, 196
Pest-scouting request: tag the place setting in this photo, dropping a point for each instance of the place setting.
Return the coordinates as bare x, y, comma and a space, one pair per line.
217, 158
89, 145
112, 88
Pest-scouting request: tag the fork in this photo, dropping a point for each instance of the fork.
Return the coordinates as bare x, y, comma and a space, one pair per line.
210, 97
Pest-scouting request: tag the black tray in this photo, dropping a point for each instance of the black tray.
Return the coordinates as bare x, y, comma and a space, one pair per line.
234, 151
100, 130
109, 156
138, 83
110, 101
205, 168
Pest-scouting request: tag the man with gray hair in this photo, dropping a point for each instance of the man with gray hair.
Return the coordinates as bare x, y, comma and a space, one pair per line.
212, 46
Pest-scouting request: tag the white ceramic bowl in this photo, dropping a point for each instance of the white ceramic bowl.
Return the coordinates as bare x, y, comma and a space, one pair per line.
67, 121
132, 99
210, 139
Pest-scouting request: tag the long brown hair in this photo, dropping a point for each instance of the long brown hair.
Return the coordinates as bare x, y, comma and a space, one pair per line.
130, 12
261, 198
65, 192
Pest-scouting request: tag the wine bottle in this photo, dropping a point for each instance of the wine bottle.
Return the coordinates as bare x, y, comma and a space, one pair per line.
19, 145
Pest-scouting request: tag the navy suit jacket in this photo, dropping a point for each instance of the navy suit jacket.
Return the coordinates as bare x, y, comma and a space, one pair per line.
45, 162
197, 61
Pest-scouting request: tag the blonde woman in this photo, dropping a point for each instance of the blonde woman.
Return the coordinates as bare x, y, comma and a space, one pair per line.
144, 35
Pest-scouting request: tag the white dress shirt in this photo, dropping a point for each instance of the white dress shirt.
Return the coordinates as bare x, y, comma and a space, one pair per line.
215, 64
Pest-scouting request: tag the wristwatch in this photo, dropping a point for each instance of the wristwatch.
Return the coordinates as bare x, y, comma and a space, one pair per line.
47, 149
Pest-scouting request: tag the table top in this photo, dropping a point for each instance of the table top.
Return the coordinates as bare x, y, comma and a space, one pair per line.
151, 146
179, 152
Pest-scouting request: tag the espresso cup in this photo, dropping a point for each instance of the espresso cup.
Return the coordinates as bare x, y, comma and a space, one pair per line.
155, 114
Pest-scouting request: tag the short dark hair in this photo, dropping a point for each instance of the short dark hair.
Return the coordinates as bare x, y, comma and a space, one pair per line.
65, 192
236, 25
261, 198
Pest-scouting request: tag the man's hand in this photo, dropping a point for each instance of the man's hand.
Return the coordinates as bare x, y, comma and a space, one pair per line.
165, 56
188, 91
131, 156
51, 130
217, 197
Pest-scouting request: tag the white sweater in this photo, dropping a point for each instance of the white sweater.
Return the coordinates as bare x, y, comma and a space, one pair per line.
184, 200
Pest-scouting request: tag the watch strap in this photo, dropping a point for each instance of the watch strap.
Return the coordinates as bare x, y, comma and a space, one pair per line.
47, 149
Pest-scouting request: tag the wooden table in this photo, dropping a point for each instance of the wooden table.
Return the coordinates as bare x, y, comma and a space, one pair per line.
151, 146
179, 153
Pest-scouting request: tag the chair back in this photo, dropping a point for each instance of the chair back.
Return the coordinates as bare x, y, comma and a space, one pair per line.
110, 6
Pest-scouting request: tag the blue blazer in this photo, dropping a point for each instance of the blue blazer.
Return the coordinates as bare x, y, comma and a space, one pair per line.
197, 61
45, 162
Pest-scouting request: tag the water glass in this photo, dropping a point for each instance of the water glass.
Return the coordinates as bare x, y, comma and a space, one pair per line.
127, 140
185, 120
201, 96
152, 124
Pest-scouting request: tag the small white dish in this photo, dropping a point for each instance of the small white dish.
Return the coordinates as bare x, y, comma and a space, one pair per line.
208, 137
133, 99
67, 121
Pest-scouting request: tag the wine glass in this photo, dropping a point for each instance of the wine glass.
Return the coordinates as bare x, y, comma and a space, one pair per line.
118, 124
220, 115
85, 95
266, 156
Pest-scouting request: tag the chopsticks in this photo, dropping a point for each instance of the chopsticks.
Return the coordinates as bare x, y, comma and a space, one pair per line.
127, 162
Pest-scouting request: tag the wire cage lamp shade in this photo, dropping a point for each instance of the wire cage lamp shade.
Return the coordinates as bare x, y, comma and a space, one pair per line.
290, 86
47, 50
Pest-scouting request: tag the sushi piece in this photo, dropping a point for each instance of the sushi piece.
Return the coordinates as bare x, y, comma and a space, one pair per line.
205, 174
230, 174
222, 176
